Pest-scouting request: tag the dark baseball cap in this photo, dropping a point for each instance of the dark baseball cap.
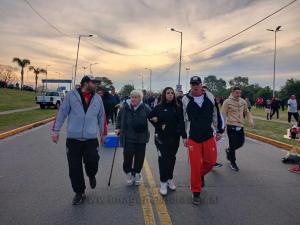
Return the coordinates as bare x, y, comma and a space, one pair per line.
87, 78
195, 80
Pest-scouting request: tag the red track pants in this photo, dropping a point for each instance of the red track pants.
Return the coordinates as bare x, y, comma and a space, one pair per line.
202, 158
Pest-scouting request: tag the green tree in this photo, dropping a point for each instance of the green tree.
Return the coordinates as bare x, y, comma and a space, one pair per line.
291, 87
250, 91
216, 86
104, 83
265, 93
126, 89
37, 71
239, 81
22, 63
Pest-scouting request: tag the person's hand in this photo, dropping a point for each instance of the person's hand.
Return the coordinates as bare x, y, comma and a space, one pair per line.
154, 119
185, 142
218, 136
55, 137
117, 132
252, 124
102, 138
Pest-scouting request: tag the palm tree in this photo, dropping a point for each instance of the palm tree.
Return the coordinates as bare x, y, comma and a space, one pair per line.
21, 63
37, 71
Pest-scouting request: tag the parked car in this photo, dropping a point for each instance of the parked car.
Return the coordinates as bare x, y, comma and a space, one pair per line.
26, 88
50, 99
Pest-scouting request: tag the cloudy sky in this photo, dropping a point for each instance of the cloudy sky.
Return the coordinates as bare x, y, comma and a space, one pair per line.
132, 35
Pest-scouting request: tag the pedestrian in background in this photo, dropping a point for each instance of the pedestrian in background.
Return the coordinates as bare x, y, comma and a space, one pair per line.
248, 104
108, 106
293, 109
275, 106
268, 109
233, 110
132, 126
115, 100
85, 113
167, 118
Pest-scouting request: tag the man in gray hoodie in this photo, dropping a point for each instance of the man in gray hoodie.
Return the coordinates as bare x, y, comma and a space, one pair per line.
85, 113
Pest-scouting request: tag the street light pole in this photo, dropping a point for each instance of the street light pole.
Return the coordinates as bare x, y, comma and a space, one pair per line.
142, 80
72, 75
180, 56
47, 76
186, 79
150, 78
58, 78
275, 52
79, 38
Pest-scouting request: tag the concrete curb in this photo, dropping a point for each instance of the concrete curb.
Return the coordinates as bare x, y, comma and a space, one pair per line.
273, 142
24, 128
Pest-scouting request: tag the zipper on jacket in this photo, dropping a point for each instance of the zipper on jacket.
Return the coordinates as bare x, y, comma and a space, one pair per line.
83, 126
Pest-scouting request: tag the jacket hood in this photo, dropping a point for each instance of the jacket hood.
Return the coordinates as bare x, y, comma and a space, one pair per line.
128, 101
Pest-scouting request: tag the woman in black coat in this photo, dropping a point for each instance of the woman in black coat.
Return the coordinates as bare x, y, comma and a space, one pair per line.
132, 126
167, 118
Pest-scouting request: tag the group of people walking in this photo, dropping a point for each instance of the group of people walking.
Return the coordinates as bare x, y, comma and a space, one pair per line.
195, 118
273, 106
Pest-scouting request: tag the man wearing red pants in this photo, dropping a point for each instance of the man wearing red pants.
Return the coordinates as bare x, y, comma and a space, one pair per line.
201, 115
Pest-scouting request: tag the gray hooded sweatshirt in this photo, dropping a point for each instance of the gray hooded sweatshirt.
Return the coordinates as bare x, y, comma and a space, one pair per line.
81, 124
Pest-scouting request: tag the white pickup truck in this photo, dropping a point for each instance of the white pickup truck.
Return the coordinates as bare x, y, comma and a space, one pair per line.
50, 99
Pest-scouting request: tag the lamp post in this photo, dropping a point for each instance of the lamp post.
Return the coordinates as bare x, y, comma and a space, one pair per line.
150, 78
275, 32
141, 75
72, 75
186, 79
47, 76
180, 56
91, 67
58, 78
79, 38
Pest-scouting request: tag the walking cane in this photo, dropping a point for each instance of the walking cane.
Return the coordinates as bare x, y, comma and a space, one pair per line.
113, 161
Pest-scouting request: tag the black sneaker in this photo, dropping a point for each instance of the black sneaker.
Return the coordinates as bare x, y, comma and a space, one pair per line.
234, 167
78, 199
203, 181
227, 154
93, 182
218, 165
196, 198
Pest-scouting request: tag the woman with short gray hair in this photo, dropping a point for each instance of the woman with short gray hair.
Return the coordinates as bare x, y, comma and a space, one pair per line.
132, 126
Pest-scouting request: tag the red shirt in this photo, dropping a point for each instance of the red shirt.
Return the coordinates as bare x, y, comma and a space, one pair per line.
87, 97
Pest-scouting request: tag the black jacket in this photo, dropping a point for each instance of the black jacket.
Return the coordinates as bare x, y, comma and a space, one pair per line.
201, 120
171, 116
275, 104
133, 124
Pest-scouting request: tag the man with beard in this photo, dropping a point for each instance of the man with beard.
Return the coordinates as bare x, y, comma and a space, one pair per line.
85, 113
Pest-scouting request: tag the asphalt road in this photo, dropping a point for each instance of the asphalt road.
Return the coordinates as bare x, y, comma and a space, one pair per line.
35, 188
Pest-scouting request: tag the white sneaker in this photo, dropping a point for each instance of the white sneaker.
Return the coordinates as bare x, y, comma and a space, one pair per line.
163, 188
171, 184
129, 179
137, 179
